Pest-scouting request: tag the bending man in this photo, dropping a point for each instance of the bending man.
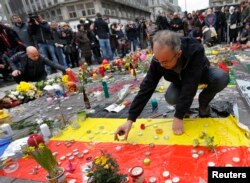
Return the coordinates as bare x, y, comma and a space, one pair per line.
181, 61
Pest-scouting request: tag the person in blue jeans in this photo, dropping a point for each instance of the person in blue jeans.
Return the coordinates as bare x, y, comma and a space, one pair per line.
181, 61
101, 30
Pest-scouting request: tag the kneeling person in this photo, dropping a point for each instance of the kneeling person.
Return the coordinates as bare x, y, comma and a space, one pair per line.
181, 61
30, 65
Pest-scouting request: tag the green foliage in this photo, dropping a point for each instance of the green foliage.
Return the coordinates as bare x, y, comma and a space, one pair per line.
105, 169
207, 141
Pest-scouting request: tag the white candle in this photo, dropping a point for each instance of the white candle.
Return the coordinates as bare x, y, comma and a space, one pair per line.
45, 130
7, 130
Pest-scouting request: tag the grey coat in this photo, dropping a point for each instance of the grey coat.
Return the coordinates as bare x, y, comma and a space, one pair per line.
24, 34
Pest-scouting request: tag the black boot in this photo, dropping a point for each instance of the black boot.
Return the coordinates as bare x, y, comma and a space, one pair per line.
204, 111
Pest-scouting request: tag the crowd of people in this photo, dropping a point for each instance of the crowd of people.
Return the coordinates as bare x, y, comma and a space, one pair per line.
99, 39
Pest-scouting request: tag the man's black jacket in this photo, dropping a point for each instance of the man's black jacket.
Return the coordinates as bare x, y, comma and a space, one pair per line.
34, 70
193, 63
101, 29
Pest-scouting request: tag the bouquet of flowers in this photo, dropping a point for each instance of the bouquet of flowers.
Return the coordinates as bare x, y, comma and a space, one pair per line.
23, 93
27, 91
105, 169
37, 149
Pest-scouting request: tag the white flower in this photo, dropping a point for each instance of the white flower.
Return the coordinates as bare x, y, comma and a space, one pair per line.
16, 93
31, 93
39, 121
21, 97
12, 96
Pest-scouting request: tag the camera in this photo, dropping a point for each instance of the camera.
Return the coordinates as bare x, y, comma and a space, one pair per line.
32, 17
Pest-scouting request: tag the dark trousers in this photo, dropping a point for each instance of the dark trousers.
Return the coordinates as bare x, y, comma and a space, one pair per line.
216, 80
233, 33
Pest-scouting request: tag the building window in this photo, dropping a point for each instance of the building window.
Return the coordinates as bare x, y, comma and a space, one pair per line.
171, 1
90, 8
153, 2
60, 18
55, 1
58, 11
80, 10
72, 12
53, 13
49, 3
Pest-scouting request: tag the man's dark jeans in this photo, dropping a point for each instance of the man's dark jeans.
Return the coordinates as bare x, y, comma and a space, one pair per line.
216, 80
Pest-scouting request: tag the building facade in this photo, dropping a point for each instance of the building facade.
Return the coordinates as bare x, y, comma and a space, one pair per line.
214, 3
72, 10
159, 6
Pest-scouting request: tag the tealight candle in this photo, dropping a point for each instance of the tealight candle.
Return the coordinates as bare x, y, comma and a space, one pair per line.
118, 148
55, 153
69, 154
62, 158
71, 158
176, 179
152, 179
80, 155
86, 151
195, 156
236, 159
156, 137
168, 181
165, 174
159, 131
211, 163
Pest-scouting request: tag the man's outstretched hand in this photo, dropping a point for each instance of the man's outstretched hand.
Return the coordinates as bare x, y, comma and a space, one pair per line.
123, 130
177, 126
16, 73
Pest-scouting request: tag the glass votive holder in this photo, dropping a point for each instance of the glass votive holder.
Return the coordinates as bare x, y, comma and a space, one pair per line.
81, 116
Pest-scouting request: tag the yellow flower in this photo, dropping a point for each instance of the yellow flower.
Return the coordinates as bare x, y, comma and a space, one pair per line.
106, 166
31, 148
41, 146
24, 87
65, 78
103, 160
97, 160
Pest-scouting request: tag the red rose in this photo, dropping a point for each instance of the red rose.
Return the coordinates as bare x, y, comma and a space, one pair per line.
35, 140
142, 126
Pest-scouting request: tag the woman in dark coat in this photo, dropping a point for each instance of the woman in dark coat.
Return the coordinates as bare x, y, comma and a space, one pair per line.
84, 44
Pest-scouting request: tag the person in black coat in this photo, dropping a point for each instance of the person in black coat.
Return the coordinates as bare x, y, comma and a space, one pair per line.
233, 31
176, 23
181, 61
162, 22
30, 65
220, 19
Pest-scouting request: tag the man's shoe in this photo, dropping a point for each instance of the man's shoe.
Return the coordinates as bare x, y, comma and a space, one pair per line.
204, 111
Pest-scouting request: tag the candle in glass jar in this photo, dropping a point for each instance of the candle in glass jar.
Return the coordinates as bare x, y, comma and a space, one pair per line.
137, 174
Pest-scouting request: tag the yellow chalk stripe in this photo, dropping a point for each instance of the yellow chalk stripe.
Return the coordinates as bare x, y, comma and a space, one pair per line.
225, 131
